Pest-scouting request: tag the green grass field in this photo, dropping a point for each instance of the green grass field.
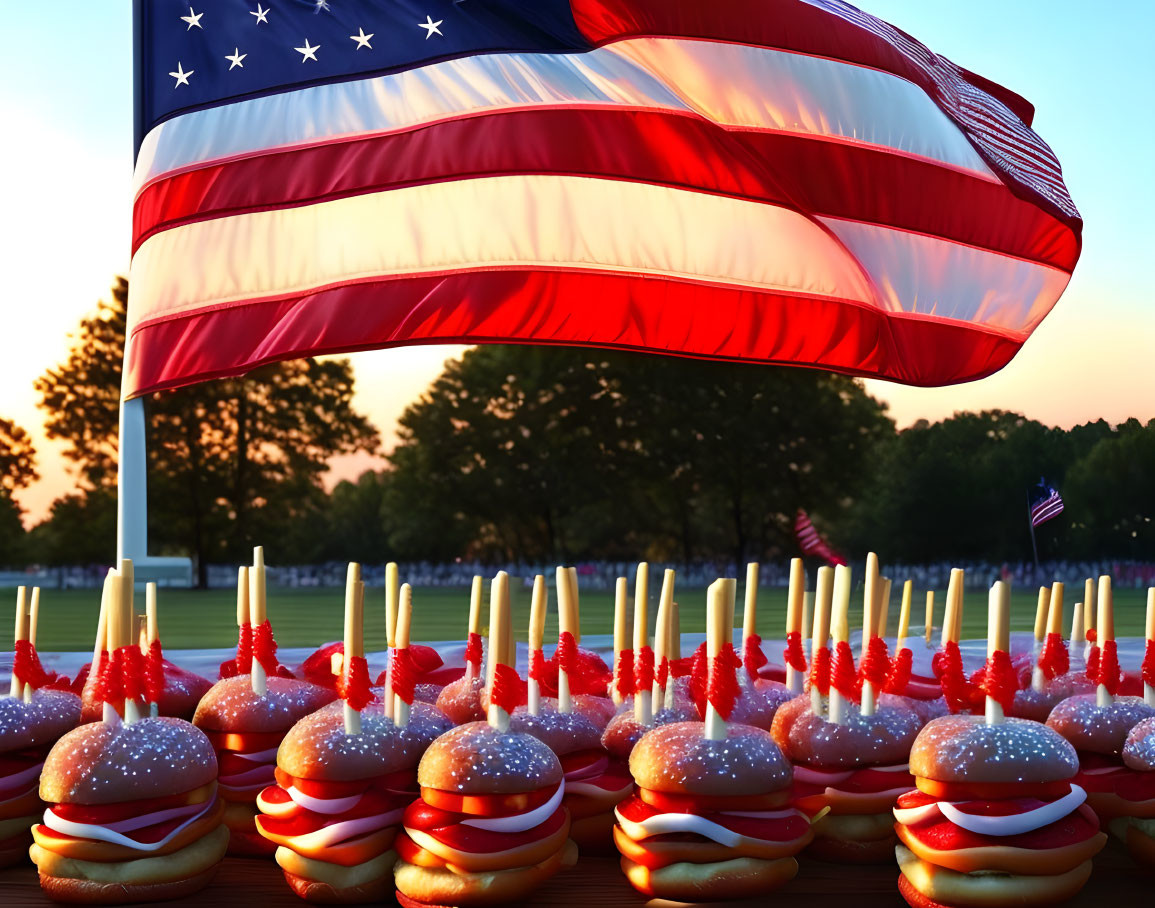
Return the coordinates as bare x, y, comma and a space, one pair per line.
193, 619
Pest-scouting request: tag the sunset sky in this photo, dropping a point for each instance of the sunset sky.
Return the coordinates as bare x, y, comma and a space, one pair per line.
65, 91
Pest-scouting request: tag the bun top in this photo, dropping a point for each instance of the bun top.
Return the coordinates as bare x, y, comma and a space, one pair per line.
1139, 750
966, 749
478, 759
318, 748
679, 758
231, 705
39, 722
565, 733
624, 731
100, 763
882, 739
1098, 729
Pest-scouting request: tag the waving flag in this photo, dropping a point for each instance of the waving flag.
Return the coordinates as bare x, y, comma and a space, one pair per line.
787, 181
811, 543
1046, 503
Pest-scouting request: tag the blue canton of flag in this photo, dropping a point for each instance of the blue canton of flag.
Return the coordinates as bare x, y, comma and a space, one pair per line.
203, 52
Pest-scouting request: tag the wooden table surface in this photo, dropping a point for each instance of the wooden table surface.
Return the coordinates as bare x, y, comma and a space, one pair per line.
599, 882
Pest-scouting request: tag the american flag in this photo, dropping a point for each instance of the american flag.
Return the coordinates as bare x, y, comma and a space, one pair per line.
1045, 504
787, 181
811, 543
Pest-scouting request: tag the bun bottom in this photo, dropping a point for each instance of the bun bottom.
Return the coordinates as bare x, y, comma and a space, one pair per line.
594, 835
326, 894
985, 890
431, 886
854, 839
1140, 846
89, 892
734, 879
247, 843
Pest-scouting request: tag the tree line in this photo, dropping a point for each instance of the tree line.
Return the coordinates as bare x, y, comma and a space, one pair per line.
566, 453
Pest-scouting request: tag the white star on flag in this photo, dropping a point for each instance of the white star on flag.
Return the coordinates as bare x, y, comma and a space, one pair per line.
321, 5
430, 27
261, 14
235, 58
362, 39
193, 18
181, 76
308, 52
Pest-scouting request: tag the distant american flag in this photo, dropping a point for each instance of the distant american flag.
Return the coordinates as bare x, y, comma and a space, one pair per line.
1047, 503
787, 181
811, 543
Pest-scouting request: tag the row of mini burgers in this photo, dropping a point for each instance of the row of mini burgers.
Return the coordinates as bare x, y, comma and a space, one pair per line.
706, 773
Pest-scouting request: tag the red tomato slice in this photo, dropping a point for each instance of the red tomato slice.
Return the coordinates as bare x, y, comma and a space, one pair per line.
682, 803
329, 789
246, 742
102, 814
303, 822
870, 780
485, 841
1135, 786
946, 836
481, 805
229, 764
20, 760
993, 791
581, 759
613, 779
778, 829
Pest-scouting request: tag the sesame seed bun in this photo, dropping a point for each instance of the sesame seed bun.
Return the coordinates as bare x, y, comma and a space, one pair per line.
231, 705
317, 747
679, 758
966, 749
101, 763
478, 759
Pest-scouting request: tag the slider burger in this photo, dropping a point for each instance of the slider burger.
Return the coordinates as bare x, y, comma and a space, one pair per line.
246, 728
594, 783
133, 813
247, 716
995, 819
760, 697
345, 775
1052, 681
849, 759
490, 825
1097, 724
711, 817
460, 700
644, 708
1136, 828
31, 720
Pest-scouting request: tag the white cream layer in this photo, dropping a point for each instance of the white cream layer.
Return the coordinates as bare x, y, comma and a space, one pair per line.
328, 806
114, 832
335, 833
665, 823
522, 821
1014, 824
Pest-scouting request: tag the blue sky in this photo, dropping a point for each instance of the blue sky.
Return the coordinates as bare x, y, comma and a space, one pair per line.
65, 88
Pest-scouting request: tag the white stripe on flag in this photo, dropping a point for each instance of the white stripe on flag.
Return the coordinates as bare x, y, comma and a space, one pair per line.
608, 225
736, 86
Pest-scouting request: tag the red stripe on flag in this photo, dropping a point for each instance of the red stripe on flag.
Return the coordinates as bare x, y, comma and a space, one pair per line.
706, 321
845, 33
820, 176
